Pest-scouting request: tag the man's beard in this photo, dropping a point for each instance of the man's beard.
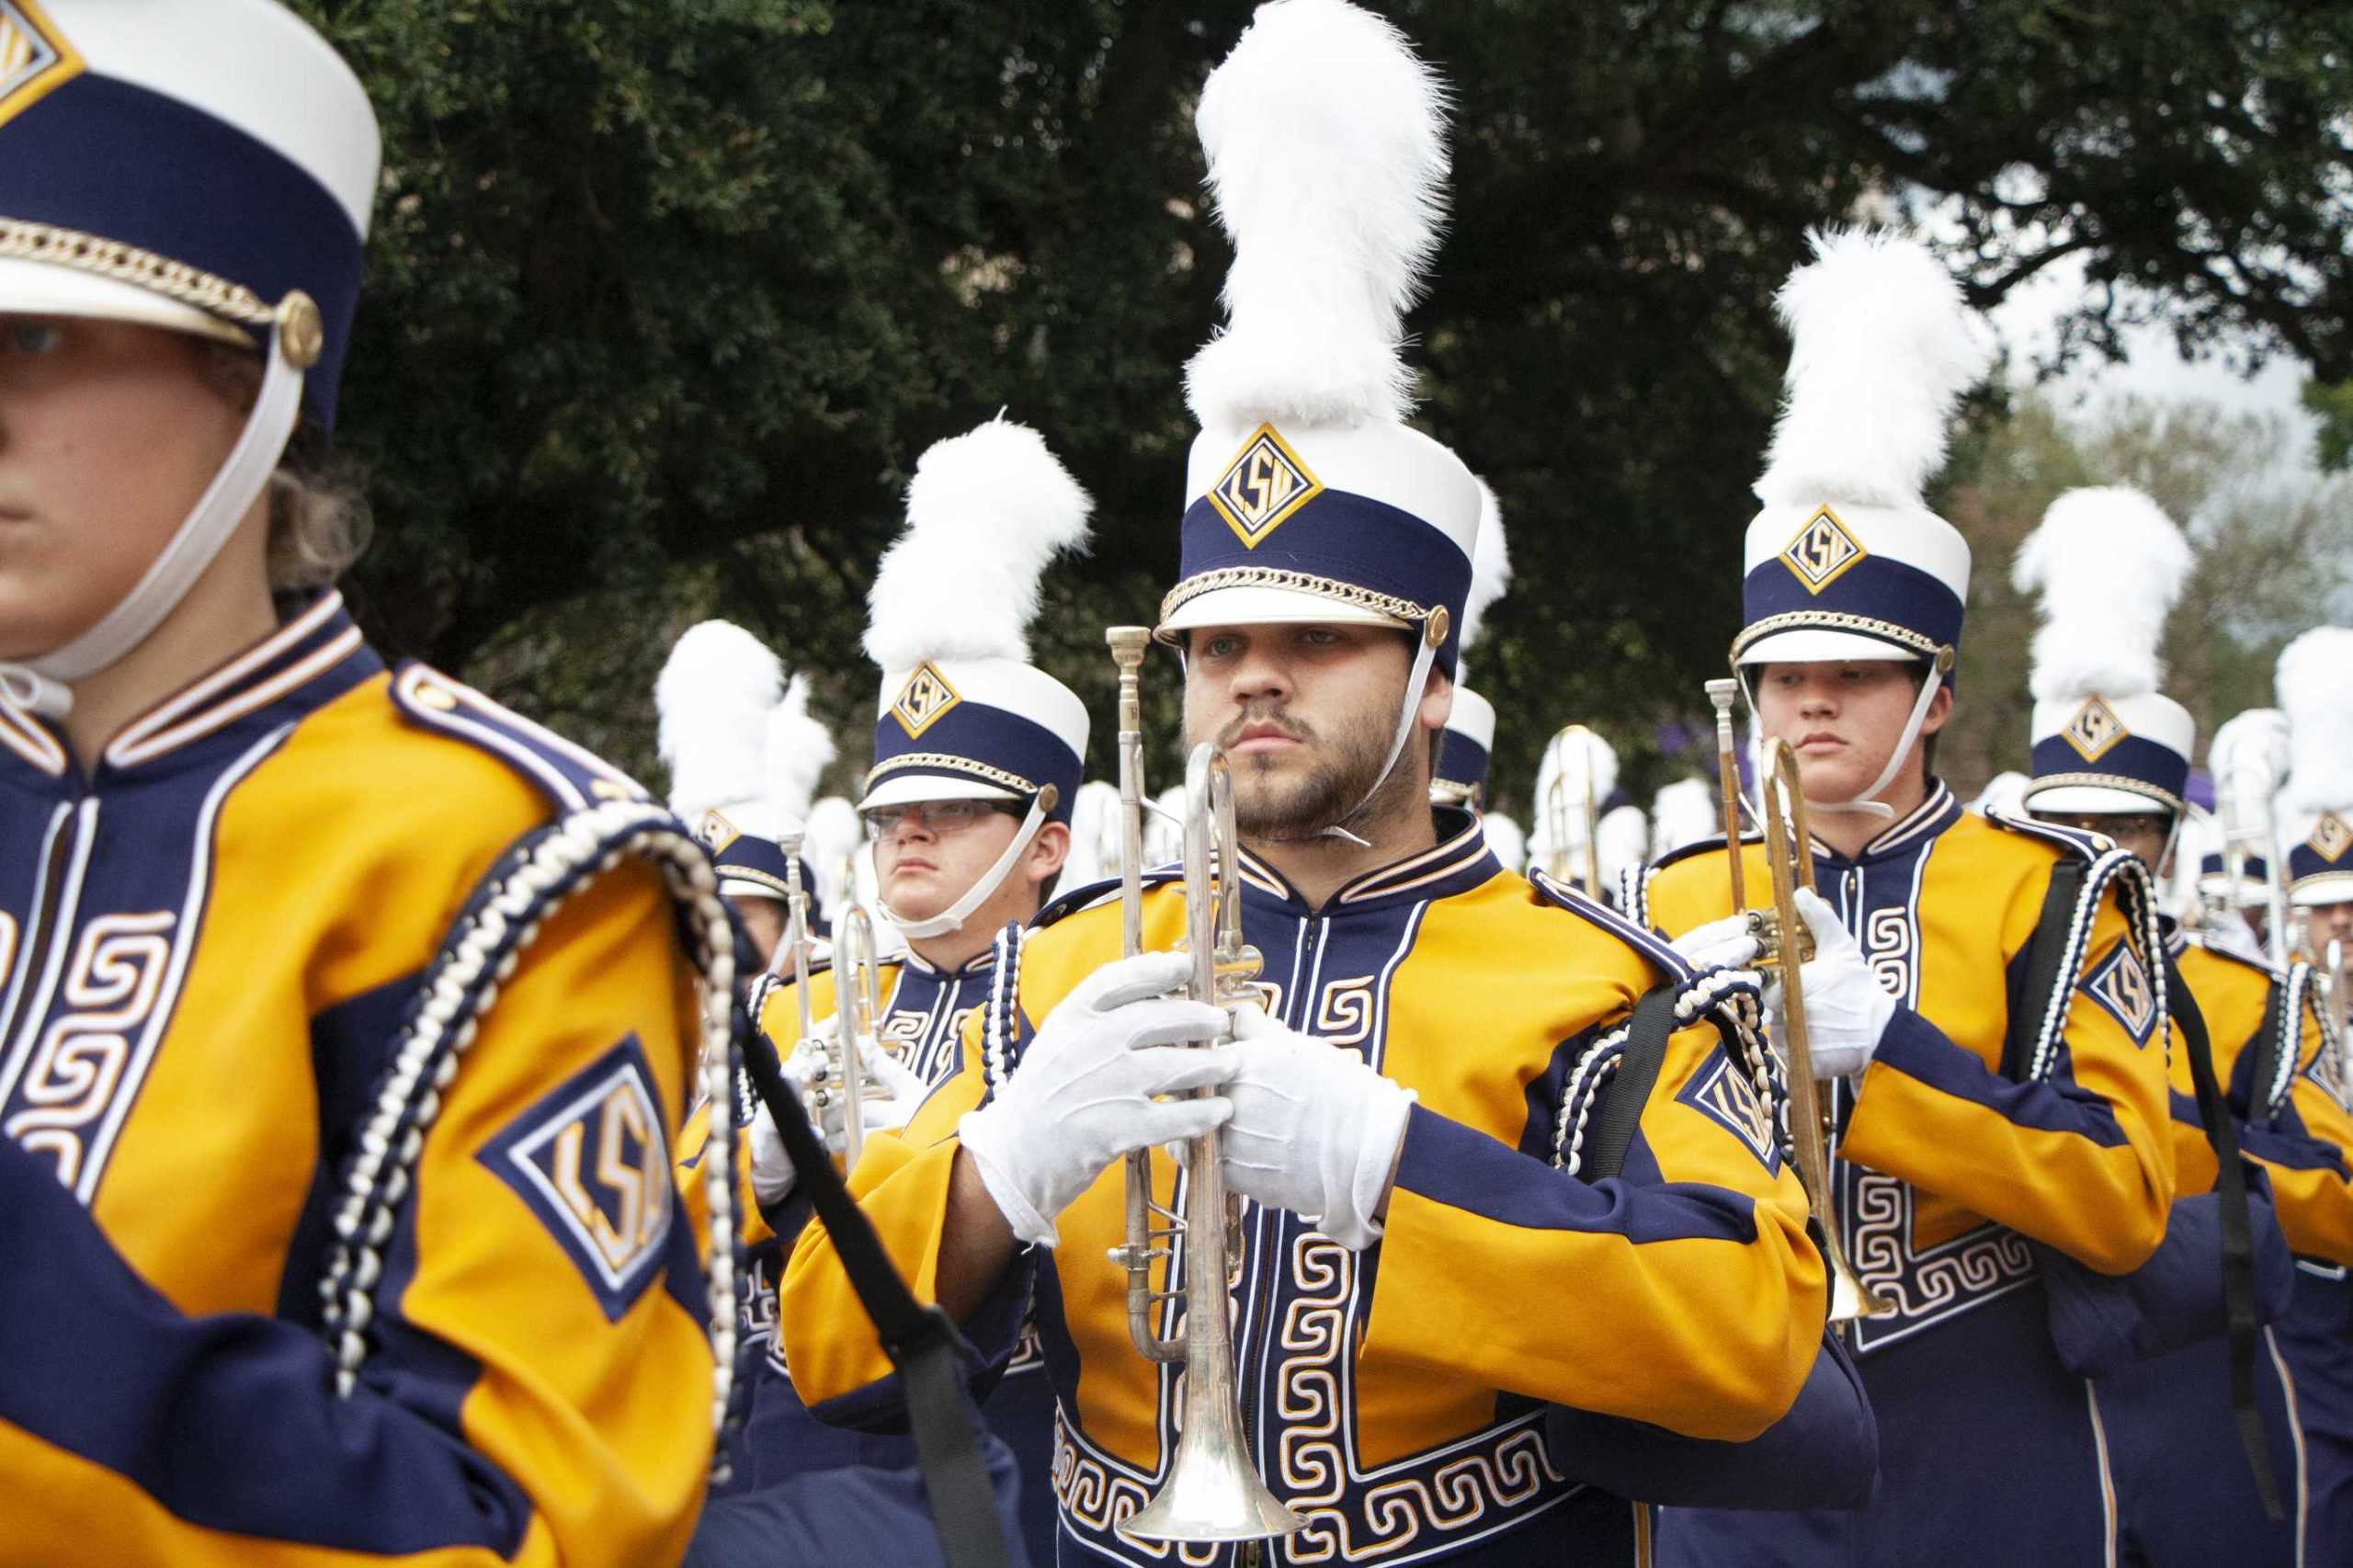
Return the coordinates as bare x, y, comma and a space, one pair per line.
1334, 790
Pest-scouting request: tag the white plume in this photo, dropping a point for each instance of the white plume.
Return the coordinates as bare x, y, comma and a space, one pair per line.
2249, 758
800, 749
1506, 838
2004, 793
1881, 348
1684, 813
829, 840
1490, 565
1624, 840
1571, 757
1327, 144
712, 701
2109, 565
2316, 688
985, 511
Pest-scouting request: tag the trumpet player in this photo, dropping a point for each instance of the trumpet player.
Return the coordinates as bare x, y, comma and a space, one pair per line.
262, 1299
1412, 1272
978, 756
2111, 756
1947, 1163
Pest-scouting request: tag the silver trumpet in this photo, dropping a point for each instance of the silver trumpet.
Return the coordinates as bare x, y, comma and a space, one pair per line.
1562, 810
858, 1004
1211, 1492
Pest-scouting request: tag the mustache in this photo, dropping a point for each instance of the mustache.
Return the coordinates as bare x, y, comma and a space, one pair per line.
1273, 719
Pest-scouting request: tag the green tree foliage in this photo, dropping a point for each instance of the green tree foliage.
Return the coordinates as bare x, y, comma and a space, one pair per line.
667, 295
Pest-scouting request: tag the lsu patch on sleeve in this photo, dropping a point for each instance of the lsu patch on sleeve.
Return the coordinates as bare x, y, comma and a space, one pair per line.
591, 1161
2119, 984
1722, 1093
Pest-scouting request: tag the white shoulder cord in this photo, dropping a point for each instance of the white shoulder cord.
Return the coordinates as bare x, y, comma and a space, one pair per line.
42, 684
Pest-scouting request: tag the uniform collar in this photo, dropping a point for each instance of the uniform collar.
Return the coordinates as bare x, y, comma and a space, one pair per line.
979, 963
1460, 861
1923, 823
307, 663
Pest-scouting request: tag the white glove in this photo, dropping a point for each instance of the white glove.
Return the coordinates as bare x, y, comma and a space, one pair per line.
772, 1172
1083, 1095
1720, 944
1315, 1129
903, 1089
1846, 1010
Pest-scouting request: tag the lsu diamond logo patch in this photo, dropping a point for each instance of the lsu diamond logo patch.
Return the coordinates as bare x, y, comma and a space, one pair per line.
716, 831
2093, 729
923, 700
34, 57
2331, 836
1821, 552
1723, 1094
2121, 985
593, 1162
1264, 484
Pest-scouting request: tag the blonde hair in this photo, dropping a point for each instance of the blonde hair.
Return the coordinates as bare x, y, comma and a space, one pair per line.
319, 521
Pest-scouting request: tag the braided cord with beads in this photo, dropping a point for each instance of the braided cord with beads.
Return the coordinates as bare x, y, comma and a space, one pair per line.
1731, 994
542, 872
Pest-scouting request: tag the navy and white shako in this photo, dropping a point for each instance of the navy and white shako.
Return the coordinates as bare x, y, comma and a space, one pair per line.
2108, 564
1309, 499
1844, 561
963, 714
1468, 743
204, 166
2315, 689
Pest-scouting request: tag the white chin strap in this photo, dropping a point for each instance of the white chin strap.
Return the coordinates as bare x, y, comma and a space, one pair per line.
43, 684
1863, 804
979, 893
1414, 685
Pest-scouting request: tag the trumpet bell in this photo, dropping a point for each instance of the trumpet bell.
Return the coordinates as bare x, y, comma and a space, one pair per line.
1211, 1492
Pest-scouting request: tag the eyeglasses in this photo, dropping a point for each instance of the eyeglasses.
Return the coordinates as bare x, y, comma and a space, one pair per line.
940, 818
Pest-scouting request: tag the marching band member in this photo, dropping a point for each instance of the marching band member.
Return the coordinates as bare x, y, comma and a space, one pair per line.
2111, 756
1465, 744
2314, 682
1399, 1115
978, 758
1947, 1165
300, 1258
1574, 780
744, 757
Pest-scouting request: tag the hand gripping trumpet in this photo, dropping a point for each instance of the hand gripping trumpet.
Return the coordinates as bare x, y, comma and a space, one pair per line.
1784, 943
857, 1004
1211, 1492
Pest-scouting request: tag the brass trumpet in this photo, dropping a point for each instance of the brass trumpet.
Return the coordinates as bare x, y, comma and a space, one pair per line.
1560, 810
858, 1004
1211, 1490
1784, 942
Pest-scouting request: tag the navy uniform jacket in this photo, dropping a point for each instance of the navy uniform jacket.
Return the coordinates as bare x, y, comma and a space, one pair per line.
1393, 1396
1944, 1164
208, 946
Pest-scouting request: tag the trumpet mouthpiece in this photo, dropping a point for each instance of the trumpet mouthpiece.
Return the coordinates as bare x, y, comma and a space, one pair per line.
1128, 643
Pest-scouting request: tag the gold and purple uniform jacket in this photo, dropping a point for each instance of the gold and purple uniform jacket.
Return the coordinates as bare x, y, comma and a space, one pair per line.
1393, 1396
208, 945
2296, 1123
1943, 1164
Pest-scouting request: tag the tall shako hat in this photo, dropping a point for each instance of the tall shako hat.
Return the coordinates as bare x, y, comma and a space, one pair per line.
201, 165
2315, 689
743, 754
2108, 564
1846, 560
962, 714
1470, 738
1308, 499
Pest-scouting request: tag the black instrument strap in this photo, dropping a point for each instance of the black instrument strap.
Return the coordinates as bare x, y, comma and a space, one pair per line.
919, 1340
2239, 1244
1639, 1065
2045, 950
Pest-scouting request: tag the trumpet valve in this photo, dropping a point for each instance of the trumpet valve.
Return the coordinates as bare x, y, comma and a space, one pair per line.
1766, 926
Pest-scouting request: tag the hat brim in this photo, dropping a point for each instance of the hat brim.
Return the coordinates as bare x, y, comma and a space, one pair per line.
2092, 799
909, 789
1813, 645
1269, 606
2324, 887
45, 288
